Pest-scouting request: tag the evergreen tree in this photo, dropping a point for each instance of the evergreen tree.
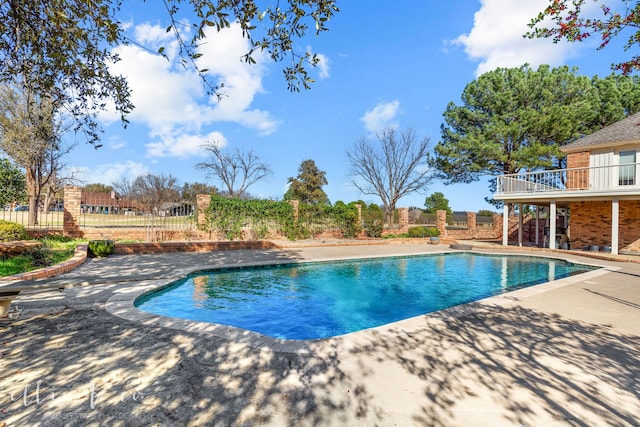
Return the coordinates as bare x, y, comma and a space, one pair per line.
437, 202
517, 119
307, 186
12, 183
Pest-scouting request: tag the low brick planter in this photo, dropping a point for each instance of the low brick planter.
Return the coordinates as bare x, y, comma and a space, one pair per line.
78, 258
17, 248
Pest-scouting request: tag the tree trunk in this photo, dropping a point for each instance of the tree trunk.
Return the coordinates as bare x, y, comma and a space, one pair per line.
388, 212
34, 197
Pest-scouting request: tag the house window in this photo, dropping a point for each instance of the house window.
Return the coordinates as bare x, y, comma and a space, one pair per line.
627, 172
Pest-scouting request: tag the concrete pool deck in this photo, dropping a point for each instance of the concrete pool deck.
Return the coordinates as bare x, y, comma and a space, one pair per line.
561, 353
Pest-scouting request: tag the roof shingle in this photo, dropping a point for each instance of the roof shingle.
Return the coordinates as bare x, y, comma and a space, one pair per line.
626, 130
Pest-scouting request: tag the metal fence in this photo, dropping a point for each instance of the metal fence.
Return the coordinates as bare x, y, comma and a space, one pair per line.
104, 210
53, 219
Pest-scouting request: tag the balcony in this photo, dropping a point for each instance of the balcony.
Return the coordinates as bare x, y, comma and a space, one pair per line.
597, 182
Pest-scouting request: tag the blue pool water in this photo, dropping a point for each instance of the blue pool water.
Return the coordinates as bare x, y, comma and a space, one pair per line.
319, 300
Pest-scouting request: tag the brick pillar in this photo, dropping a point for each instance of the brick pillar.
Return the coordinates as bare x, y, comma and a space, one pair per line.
359, 208
441, 221
202, 203
497, 226
71, 214
295, 204
472, 229
403, 219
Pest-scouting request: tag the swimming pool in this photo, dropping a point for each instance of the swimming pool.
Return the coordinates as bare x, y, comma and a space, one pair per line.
325, 299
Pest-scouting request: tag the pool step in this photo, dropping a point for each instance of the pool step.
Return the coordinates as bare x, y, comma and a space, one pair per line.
461, 246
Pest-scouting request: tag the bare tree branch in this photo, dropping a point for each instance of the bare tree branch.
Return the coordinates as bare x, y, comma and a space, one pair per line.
394, 168
237, 170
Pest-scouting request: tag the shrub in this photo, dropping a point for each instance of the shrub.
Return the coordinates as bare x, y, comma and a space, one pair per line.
346, 217
228, 217
373, 220
11, 231
424, 232
40, 256
100, 248
60, 238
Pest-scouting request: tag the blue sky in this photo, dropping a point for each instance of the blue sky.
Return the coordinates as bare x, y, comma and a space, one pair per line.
381, 67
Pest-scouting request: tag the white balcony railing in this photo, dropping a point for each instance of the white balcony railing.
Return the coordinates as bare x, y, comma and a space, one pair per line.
599, 179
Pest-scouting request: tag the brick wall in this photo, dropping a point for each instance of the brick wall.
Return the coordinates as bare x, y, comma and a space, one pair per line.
578, 179
162, 247
142, 233
591, 224
578, 160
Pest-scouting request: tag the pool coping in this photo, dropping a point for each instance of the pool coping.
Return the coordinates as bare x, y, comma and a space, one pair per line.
122, 304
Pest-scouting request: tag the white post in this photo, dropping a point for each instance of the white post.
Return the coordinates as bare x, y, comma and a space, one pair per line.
537, 224
552, 225
505, 225
520, 226
615, 224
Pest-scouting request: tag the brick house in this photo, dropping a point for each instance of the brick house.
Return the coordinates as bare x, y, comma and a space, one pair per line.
599, 191
105, 203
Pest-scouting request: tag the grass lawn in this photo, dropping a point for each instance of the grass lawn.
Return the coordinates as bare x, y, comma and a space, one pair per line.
54, 251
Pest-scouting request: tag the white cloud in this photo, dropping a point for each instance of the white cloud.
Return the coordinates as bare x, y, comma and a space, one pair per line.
496, 38
382, 116
222, 56
182, 145
171, 100
322, 65
115, 142
108, 173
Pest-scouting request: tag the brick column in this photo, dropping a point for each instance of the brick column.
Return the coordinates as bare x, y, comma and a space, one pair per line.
403, 219
359, 208
71, 215
295, 204
441, 221
472, 229
202, 203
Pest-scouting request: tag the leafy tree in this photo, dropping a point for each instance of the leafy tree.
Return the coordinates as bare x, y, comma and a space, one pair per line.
236, 170
64, 49
307, 186
569, 23
190, 191
98, 188
12, 183
30, 134
437, 202
485, 212
392, 168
